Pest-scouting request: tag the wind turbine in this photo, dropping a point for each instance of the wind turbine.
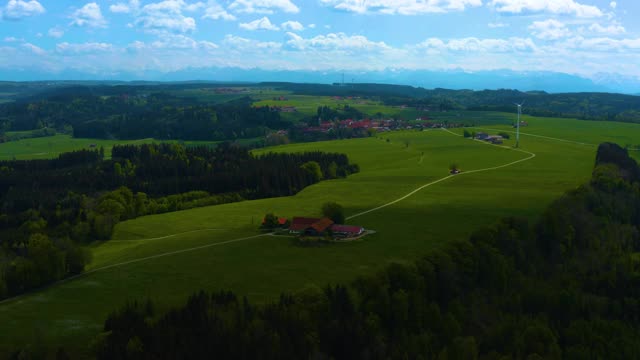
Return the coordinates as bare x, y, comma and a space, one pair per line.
518, 124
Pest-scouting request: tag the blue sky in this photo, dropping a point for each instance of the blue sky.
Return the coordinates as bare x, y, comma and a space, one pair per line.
109, 37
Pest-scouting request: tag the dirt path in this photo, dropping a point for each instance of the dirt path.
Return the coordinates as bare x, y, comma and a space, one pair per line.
106, 267
166, 236
151, 257
531, 156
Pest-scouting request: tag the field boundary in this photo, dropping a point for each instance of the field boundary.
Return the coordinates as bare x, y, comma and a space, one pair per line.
165, 237
133, 261
539, 136
531, 156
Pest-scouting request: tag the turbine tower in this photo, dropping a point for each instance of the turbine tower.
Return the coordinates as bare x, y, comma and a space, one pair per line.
518, 124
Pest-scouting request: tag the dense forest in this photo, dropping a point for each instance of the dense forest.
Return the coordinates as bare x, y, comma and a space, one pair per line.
125, 116
79, 197
564, 287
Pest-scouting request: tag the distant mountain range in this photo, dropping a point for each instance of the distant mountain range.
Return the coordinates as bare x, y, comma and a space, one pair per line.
453, 79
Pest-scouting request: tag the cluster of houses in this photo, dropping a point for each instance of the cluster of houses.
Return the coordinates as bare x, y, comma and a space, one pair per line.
320, 227
494, 139
381, 125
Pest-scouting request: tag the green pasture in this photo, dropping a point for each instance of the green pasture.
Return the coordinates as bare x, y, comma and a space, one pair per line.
51, 146
218, 247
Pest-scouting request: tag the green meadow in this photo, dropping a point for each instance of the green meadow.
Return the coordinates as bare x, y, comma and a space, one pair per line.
52, 146
171, 255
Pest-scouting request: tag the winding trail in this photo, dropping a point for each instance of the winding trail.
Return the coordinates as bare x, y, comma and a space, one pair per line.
168, 254
531, 156
201, 247
165, 237
106, 267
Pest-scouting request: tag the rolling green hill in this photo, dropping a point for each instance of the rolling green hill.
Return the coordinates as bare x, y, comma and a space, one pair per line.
169, 256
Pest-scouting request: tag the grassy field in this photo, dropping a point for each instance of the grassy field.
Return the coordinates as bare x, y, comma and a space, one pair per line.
307, 105
51, 146
219, 247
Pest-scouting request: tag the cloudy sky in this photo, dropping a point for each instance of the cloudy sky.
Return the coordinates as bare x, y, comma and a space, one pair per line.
103, 37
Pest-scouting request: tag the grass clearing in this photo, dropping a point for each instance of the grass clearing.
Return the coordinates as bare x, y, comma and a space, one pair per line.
72, 313
52, 146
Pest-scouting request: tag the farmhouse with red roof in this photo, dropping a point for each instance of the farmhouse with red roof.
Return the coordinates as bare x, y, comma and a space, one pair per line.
322, 227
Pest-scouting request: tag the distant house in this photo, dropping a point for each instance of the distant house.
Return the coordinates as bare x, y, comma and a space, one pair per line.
346, 230
494, 139
322, 227
482, 136
310, 226
92, 145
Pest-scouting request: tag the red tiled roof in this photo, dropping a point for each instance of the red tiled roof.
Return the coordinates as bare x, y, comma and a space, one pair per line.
322, 225
302, 223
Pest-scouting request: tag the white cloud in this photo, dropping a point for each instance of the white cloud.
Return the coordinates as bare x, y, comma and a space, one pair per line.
402, 7
167, 16
292, 25
613, 29
83, 48
125, 8
215, 12
263, 6
55, 32
496, 25
34, 49
249, 45
180, 24
18, 9
182, 42
603, 44
613, 4
549, 29
472, 44
337, 41
260, 24
89, 15
568, 7
12, 39
311, 26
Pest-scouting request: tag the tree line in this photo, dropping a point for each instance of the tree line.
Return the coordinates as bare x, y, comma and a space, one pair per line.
566, 286
79, 197
158, 115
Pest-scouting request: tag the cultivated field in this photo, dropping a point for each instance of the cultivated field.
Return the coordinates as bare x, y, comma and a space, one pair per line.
171, 255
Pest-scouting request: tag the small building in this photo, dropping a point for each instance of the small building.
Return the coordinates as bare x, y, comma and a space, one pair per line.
494, 139
346, 230
323, 227
93, 146
482, 136
300, 224
310, 226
